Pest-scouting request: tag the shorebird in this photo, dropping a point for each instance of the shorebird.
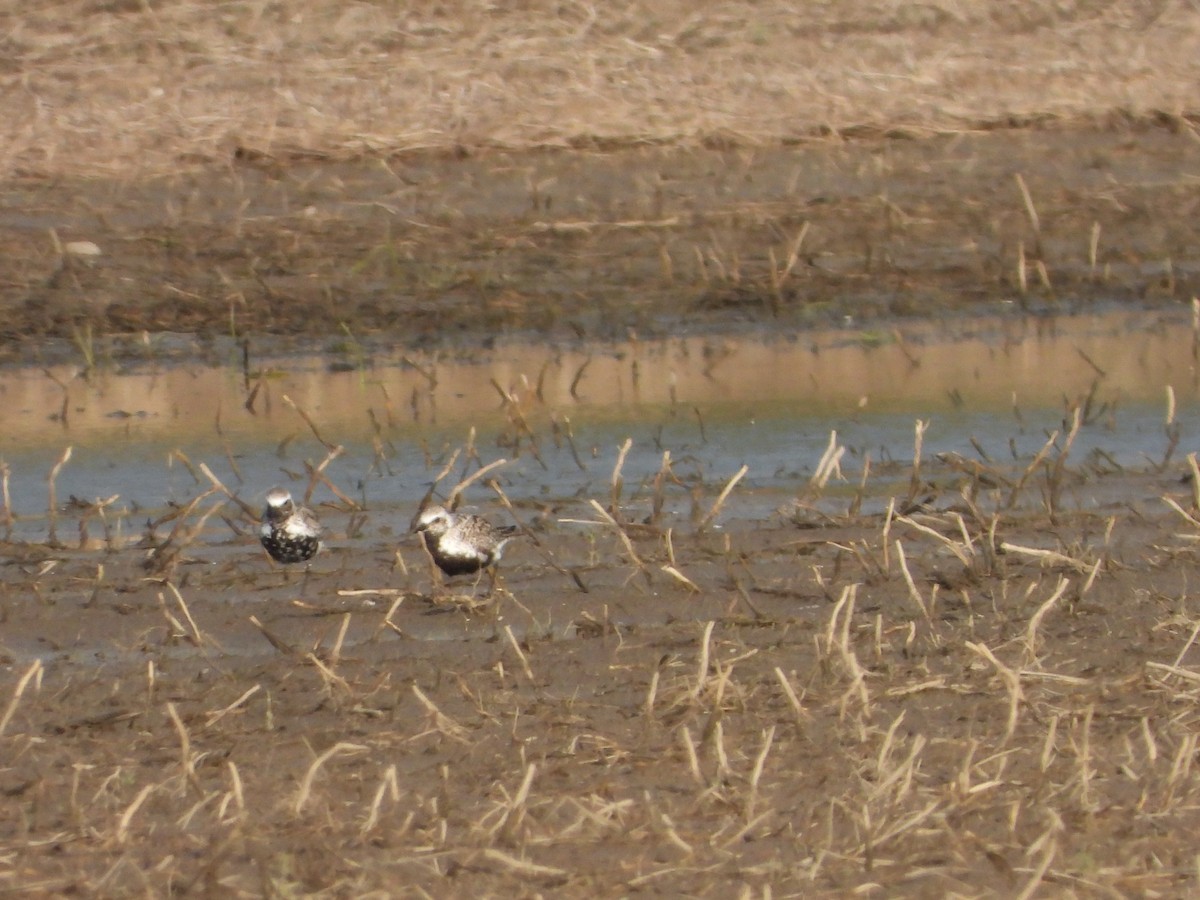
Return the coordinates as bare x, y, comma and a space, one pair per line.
461, 544
290, 533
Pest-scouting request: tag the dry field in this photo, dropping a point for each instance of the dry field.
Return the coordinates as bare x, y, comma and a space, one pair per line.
938, 678
126, 89
264, 169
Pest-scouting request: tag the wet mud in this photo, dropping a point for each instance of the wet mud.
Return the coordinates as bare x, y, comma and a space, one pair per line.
422, 251
958, 659
661, 690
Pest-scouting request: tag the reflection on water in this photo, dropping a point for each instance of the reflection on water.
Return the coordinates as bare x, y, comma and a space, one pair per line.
714, 402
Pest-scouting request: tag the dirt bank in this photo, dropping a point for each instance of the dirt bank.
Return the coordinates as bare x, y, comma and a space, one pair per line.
434, 252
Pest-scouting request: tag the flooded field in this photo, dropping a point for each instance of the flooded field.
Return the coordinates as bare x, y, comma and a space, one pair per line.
557, 415
804, 614
836, 364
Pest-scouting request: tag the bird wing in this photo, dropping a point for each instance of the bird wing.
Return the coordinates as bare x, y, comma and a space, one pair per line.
452, 545
303, 524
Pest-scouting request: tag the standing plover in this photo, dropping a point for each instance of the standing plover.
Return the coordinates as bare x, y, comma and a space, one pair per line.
462, 543
290, 533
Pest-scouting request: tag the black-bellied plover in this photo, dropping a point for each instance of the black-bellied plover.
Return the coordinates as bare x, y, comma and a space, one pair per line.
461, 543
290, 533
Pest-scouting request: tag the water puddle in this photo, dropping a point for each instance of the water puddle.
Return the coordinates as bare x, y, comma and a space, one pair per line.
558, 414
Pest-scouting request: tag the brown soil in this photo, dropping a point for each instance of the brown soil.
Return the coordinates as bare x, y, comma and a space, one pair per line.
996, 696
440, 250
261, 171
982, 698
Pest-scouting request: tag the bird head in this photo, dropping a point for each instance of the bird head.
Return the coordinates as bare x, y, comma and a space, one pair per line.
279, 504
433, 520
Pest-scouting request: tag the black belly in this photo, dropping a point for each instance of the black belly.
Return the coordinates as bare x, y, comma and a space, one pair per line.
457, 565
454, 565
286, 549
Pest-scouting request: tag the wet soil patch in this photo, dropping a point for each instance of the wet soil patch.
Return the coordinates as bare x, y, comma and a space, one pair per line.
914, 679
434, 250
992, 682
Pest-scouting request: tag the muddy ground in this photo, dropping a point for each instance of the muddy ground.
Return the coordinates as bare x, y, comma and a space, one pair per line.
970, 678
994, 696
442, 250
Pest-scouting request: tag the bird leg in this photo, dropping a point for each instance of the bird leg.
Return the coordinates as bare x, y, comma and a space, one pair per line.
437, 582
285, 576
478, 578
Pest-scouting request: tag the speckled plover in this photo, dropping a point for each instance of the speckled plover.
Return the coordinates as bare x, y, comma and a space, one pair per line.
290, 533
461, 544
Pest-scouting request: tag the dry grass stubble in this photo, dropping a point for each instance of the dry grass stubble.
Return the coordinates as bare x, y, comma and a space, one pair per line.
991, 695
129, 89
195, 148
989, 691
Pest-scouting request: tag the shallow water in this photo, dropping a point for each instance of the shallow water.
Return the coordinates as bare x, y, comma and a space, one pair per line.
715, 403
